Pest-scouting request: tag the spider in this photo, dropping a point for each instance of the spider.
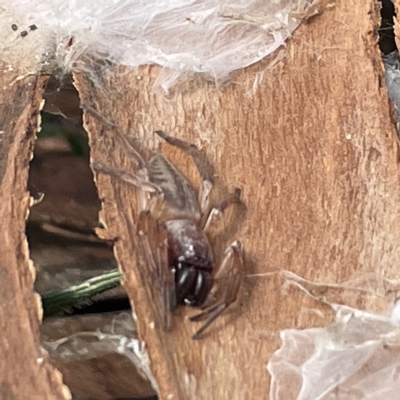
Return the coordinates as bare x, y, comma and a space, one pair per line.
173, 228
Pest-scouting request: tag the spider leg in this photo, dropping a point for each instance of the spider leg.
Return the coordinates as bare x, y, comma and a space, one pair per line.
149, 195
152, 236
126, 176
154, 242
200, 160
217, 210
120, 136
226, 284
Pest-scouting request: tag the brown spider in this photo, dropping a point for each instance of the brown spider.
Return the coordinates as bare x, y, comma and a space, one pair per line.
173, 231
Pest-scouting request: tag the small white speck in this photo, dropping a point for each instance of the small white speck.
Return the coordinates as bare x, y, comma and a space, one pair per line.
152, 325
395, 314
190, 251
39, 360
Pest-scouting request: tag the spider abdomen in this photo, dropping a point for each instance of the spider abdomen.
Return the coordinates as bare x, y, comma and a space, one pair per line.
191, 259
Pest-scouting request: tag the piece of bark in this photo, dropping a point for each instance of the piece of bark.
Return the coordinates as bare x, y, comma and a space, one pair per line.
396, 26
312, 146
24, 369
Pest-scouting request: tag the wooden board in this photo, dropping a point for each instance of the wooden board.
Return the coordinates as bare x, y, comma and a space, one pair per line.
24, 370
312, 145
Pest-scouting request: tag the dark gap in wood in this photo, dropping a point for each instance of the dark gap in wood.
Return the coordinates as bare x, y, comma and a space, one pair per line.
387, 43
390, 57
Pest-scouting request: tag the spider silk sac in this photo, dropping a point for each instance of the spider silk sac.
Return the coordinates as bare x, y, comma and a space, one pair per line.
356, 357
107, 339
212, 37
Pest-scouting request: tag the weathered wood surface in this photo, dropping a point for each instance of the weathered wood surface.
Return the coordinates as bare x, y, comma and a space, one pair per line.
315, 152
25, 372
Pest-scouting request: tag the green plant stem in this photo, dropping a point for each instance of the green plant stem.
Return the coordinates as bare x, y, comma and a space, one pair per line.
76, 295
